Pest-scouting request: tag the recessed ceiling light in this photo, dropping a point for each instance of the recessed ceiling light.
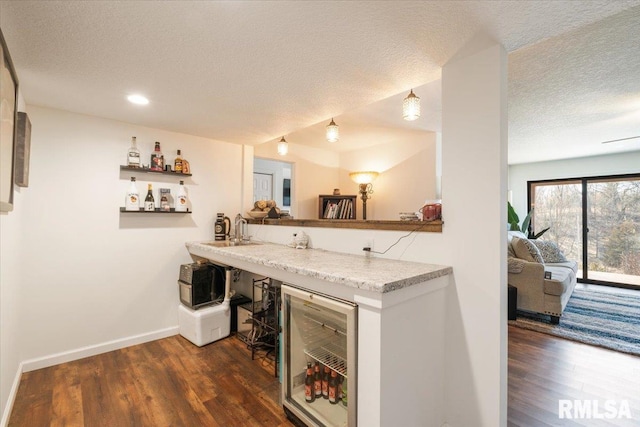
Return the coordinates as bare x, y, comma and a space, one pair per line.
138, 99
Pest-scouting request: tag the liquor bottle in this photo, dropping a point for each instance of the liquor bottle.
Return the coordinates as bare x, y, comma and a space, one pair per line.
132, 202
325, 382
157, 159
149, 202
309, 394
182, 200
333, 388
177, 163
317, 380
164, 200
133, 154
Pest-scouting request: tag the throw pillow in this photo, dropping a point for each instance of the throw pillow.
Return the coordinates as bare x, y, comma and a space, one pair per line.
526, 250
550, 251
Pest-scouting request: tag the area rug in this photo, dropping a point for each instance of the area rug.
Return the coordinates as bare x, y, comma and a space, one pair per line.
605, 319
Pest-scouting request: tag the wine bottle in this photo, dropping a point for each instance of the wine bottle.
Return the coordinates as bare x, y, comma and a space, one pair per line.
149, 201
177, 163
309, 394
133, 154
317, 380
325, 382
157, 159
333, 388
132, 202
182, 200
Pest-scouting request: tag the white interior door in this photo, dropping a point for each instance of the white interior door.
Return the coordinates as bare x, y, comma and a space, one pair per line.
262, 186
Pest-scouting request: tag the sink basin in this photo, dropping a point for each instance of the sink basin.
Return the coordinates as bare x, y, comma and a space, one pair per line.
228, 243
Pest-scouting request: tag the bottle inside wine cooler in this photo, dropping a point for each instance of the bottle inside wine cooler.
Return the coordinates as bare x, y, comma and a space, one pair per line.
309, 392
333, 388
317, 377
325, 382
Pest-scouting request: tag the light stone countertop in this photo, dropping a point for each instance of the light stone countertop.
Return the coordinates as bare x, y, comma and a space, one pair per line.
357, 271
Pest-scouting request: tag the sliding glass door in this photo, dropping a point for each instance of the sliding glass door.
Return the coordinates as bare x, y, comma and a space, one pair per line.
595, 221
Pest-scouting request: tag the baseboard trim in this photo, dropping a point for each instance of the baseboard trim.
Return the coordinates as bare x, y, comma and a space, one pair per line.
12, 396
81, 353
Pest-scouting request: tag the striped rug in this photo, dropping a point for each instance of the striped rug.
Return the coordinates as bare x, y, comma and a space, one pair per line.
605, 319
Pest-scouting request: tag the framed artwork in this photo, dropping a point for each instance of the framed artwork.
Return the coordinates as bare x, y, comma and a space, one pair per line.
8, 120
22, 147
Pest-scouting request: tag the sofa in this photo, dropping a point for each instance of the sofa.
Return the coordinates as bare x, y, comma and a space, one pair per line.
544, 278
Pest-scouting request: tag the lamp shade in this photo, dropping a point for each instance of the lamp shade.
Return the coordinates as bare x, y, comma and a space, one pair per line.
283, 147
332, 132
411, 107
363, 177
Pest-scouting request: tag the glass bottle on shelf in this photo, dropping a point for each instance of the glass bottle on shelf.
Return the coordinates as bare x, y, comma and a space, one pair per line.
164, 200
133, 154
177, 164
132, 201
157, 159
333, 388
182, 200
317, 377
309, 392
325, 382
149, 201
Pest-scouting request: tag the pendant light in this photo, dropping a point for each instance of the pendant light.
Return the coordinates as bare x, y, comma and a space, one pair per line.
411, 107
283, 147
332, 132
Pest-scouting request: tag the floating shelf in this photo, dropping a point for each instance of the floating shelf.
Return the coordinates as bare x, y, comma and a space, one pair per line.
157, 210
147, 170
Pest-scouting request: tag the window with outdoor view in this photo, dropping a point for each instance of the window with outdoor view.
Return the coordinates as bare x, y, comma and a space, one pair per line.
595, 221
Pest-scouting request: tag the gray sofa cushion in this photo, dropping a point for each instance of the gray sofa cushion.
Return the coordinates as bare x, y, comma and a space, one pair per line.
560, 282
571, 265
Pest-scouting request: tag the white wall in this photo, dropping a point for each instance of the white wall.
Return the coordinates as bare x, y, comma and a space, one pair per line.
612, 164
407, 177
78, 273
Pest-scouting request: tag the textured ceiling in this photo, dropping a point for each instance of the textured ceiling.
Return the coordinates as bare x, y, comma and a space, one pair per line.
249, 72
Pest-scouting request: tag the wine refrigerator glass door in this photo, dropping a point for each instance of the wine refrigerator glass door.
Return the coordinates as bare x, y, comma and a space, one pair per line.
318, 328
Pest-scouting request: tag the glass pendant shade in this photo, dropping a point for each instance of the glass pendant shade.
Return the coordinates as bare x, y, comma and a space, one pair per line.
332, 132
411, 107
283, 147
363, 177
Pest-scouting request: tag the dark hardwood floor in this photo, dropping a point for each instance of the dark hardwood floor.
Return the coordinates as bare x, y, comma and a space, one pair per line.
544, 369
171, 382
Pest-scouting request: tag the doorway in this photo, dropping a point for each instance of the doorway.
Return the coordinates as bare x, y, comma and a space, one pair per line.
262, 186
273, 180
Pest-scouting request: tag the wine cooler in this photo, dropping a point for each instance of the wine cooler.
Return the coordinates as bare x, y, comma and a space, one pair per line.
319, 375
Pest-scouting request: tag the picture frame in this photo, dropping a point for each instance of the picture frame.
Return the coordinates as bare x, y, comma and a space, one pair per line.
8, 120
22, 147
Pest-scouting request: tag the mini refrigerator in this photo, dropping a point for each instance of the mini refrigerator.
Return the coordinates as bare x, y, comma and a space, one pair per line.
319, 330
